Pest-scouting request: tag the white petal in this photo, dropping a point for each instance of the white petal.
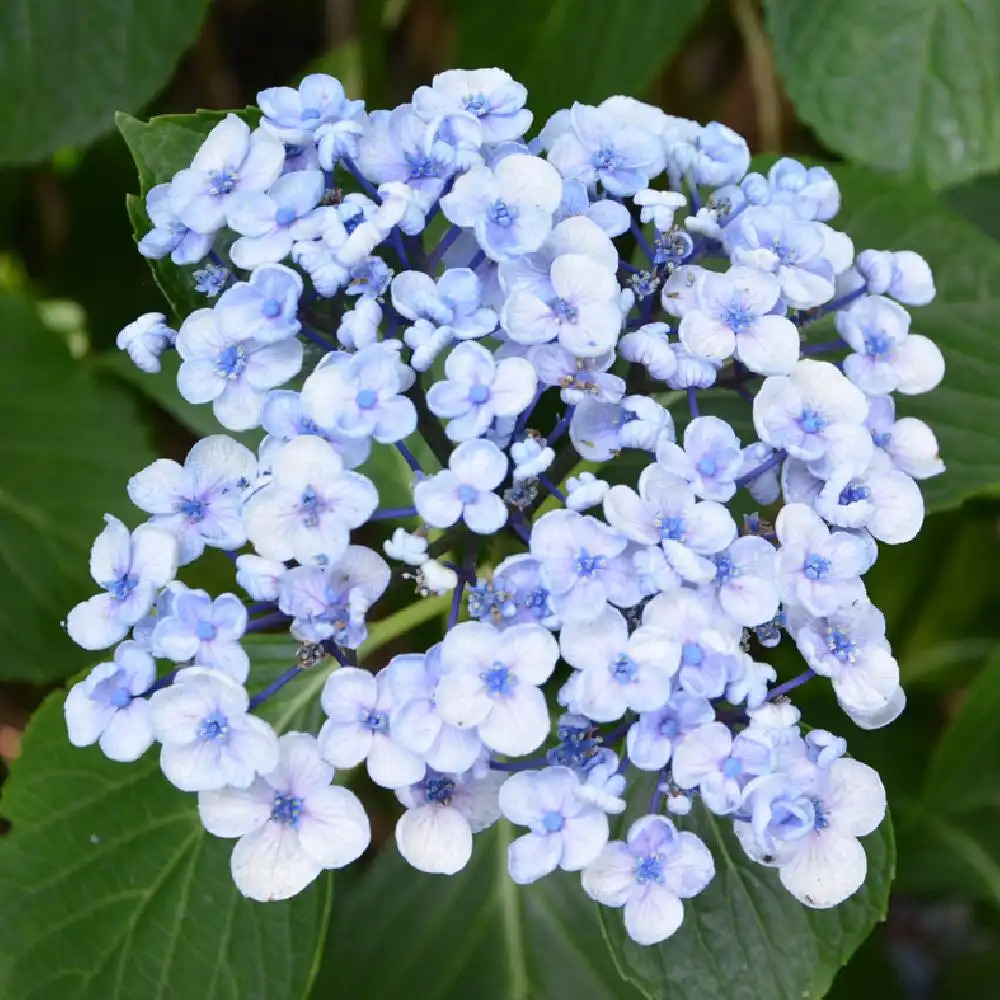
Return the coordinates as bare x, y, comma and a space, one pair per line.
652, 914
828, 868
233, 812
532, 856
855, 798
333, 828
434, 838
611, 877
270, 864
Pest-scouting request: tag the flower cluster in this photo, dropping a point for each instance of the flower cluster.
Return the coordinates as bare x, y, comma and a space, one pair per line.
429, 282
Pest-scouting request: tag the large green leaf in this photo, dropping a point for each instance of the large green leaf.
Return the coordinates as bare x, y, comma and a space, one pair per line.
67, 65
397, 932
68, 442
965, 768
745, 937
904, 85
574, 50
161, 147
113, 890
963, 320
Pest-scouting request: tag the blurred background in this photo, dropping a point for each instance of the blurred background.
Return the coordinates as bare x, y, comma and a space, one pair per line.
70, 278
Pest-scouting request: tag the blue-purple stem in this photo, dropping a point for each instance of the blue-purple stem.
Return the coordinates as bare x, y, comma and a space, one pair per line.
316, 338
396, 242
520, 530
692, 394
777, 692
449, 237
161, 682
769, 463
561, 425
388, 513
408, 457
552, 488
518, 765
276, 685
366, 184
657, 796
824, 348
275, 618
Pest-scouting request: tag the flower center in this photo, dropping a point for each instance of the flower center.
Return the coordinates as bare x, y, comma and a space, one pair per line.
286, 809
478, 394
231, 362
732, 768
193, 510
439, 790
121, 588
285, 216
607, 159
500, 213
811, 422
649, 868
841, 645
366, 398
552, 821
588, 565
467, 494
375, 721
221, 182
476, 104
707, 466
671, 528
854, 492
213, 727
205, 631
725, 569
499, 681
691, 654
669, 728
309, 114
270, 308
565, 311
816, 567
310, 507
623, 668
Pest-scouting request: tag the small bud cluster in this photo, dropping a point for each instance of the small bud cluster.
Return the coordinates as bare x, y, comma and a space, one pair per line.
521, 320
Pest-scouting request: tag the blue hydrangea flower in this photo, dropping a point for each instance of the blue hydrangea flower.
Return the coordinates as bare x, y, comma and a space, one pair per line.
107, 708
360, 395
478, 388
331, 602
358, 728
308, 507
230, 161
201, 502
130, 568
208, 740
169, 235
145, 339
291, 823
566, 831
266, 305
649, 874
464, 490
491, 96
207, 632
416, 724
489, 680
295, 114
270, 223
221, 365
443, 811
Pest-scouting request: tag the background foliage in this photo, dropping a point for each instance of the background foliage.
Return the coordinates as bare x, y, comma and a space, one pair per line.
108, 886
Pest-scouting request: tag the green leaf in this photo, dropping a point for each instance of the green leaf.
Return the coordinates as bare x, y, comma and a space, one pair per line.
398, 932
965, 767
745, 937
113, 890
66, 65
68, 442
574, 50
963, 319
944, 854
903, 85
161, 147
